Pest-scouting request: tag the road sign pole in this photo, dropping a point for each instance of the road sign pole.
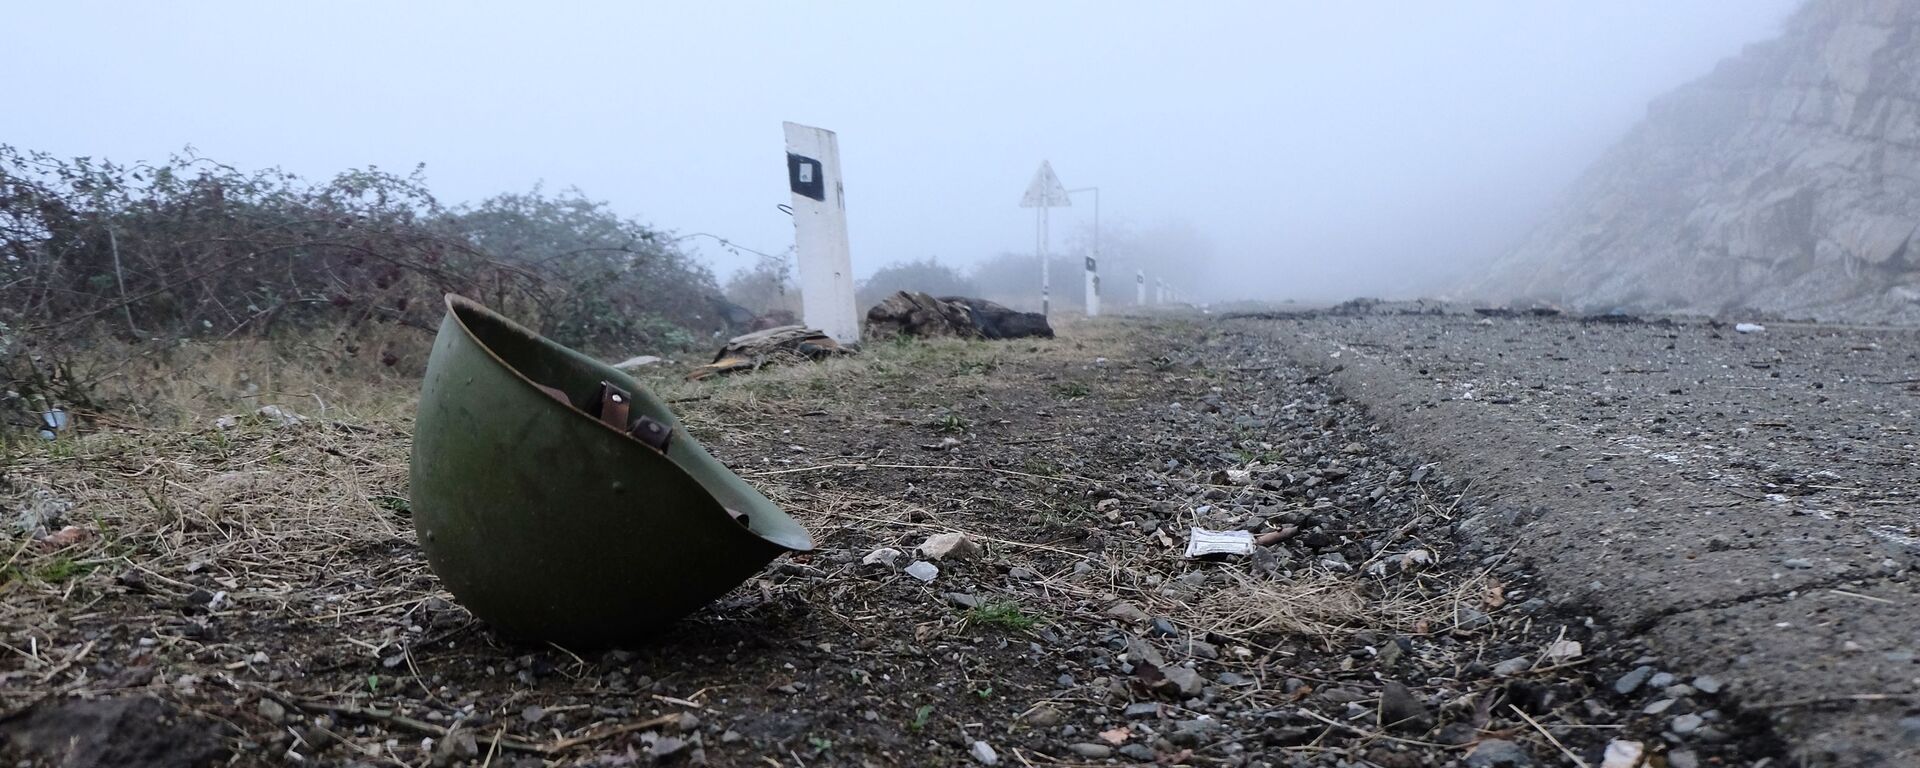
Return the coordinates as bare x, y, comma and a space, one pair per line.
1045, 192
820, 232
1046, 277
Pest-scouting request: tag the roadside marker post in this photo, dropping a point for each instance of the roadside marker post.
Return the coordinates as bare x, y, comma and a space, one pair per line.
820, 232
1093, 262
1140, 287
1093, 288
1044, 192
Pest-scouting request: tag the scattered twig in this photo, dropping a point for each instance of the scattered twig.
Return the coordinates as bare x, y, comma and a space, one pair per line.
390, 719
1543, 732
556, 747
1871, 598
1856, 697
1366, 734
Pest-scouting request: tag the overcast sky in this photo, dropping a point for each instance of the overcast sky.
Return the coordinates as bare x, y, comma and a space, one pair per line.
1324, 147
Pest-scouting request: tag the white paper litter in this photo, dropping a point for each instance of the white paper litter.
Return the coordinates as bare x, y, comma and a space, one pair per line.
1202, 542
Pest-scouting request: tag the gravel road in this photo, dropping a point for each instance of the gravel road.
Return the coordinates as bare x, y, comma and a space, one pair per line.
1743, 503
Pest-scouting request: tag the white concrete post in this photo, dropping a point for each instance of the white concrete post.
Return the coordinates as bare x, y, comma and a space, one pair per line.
1140, 287
1093, 288
820, 232
1093, 262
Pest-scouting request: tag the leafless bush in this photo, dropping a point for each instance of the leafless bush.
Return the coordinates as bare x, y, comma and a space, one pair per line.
193, 249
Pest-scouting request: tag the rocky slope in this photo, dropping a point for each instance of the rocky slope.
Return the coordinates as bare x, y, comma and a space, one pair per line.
1786, 181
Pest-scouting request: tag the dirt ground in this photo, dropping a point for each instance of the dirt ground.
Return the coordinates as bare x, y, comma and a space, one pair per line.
254, 594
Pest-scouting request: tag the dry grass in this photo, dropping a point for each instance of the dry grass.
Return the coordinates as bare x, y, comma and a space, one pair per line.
256, 521
186, 384
278, 509
274, 509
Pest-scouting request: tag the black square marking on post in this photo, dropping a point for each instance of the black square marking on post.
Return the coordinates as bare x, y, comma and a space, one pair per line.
1090, 265
804, 176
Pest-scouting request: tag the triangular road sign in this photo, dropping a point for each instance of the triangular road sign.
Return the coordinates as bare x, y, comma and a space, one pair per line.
1046, 190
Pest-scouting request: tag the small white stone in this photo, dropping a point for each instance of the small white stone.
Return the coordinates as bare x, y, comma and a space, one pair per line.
984, 753
1622, 754
923, 570
886, 556
941, 546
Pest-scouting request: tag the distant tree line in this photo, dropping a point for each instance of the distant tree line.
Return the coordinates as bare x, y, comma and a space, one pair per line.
1174, 252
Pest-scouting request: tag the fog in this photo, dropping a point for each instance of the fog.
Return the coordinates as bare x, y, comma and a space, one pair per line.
1321, 149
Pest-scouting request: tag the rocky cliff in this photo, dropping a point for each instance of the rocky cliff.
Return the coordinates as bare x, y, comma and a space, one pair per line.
1787, 181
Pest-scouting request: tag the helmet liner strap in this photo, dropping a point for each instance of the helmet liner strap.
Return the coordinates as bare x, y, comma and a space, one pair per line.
612, 406
653, 433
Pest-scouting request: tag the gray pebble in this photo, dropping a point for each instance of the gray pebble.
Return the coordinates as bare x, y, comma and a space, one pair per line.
1513, 666
1091, 751
1470, 618
1341, 695
1235, 679
1401, 710
1631, 681
1188, 682
1498, 753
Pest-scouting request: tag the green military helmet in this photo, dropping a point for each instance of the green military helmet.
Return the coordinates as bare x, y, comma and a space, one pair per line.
558, 500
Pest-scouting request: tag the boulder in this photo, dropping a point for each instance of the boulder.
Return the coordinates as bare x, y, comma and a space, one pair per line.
912, 313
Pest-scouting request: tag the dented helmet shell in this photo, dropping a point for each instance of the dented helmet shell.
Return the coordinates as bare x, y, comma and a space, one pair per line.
551, 525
